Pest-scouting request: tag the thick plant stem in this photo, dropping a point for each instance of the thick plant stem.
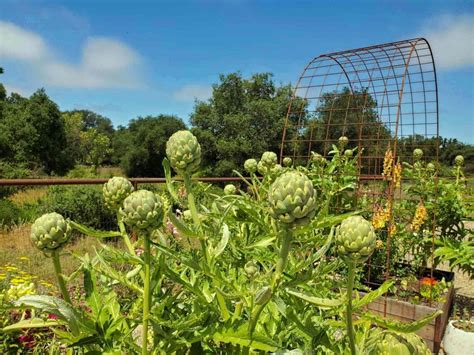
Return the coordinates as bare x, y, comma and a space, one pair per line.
146, 295
279, 268
191, 202
193, 209
124, 234
59, 276
350, 328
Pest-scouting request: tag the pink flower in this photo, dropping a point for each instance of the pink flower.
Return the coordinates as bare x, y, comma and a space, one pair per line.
27, 340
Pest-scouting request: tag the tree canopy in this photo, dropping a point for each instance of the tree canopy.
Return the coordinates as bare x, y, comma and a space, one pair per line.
242, 119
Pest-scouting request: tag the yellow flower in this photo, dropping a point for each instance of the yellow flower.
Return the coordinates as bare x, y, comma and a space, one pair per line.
23, 258
397, 174
419, 218
378, 244
392, 229
387, 164
380, 217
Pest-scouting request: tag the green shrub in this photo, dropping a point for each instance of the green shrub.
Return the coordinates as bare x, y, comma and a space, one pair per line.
83, 203
9, 213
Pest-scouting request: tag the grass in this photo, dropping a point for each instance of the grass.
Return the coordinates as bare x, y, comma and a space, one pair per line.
17, 250
28, 196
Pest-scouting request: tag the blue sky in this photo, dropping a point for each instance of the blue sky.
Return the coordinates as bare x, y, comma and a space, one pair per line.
125, 59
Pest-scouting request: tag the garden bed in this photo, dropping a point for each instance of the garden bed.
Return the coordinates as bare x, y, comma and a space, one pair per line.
396, 309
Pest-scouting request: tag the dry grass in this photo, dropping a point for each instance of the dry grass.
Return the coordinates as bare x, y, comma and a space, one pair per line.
16, 249
28, 196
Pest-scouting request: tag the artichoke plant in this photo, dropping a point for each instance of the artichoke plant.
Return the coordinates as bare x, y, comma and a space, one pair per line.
250, 166
355, 238
343, 141
417, 154
382, 342
459, 160
115, 191
287, 161
292, 198
230, 189
184, 152
267, 163
348, 153
142, 210
50, 232
269, 159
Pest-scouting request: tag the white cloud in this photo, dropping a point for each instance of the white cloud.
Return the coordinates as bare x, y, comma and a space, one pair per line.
17, 43
105, 62
452, 40
192, 92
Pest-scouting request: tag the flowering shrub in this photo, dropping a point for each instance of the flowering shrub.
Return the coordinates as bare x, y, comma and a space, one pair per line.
261, 270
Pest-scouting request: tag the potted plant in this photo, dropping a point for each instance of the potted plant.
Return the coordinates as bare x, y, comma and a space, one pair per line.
459, 337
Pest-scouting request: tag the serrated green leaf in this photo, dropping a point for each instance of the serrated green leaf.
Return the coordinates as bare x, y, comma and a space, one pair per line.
323, 303
401, 327
31, 323
241, 337
372, 296
92, 232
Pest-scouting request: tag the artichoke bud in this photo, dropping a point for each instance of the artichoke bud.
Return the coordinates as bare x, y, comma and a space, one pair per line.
417, 154
262, 168
292, 198
50, 232
430, 167
276, 168
250, 166
269, 159
317, 158
250, 269
343, 141
287, 161
263, 295
230, 189
115, 191
355, 238
459, 160
348, 153
142, 210
184, 152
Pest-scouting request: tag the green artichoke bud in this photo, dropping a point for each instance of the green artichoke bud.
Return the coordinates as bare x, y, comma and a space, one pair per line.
459, 160
430, 167
143, 210
269, 159
262, 168
50, 232
417, 154
348, 153
276, 168
263, 295
317, 158
184, 152
343, 141
187, 216
292, 198
356, 239
250, 269
250, 166
388, 343
115, 191
230, 189
287, 161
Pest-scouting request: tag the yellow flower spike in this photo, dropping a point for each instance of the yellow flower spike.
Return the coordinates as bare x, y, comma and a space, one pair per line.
387, 165
397, 174
420, 217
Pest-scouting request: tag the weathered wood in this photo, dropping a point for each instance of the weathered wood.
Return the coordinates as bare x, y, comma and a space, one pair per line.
403, 311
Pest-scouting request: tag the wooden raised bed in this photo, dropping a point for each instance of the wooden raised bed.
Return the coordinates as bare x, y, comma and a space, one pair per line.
404, 311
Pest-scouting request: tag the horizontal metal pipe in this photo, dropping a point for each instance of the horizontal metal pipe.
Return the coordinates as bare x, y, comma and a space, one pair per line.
98, 181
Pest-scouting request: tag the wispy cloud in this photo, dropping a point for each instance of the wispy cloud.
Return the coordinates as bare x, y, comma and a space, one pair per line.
193, 92
105, 62
452, 40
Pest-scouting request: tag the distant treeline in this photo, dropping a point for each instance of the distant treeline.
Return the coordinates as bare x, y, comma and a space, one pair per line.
243, 118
